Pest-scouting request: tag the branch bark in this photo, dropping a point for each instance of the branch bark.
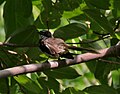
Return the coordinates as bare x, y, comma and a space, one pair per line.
113, 51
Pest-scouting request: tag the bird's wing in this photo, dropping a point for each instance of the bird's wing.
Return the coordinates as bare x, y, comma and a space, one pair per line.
55, 45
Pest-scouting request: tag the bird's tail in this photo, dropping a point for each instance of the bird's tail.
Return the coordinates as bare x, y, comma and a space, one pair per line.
83, 49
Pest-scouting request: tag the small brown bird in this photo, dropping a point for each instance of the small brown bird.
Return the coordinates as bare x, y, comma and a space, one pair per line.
56, 47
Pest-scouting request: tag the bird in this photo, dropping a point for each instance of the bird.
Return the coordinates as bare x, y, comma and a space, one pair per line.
56, 47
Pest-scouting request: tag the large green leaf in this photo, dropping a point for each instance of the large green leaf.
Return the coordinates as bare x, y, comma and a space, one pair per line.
8, 59
71, 90
80, 17
17, 14
43, 84
14, 87
98, 17
48, 20
101, 4
49, 16
116, 78
68, 5
116, 8
101, 72
101, 89
96, 27
48, 84
33, 54
71, 31
1, 1
52, 19
4, 87
29, 86
53, 11
63, 73
28, 35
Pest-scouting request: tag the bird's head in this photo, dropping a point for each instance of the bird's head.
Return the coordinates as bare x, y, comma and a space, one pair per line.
45, 33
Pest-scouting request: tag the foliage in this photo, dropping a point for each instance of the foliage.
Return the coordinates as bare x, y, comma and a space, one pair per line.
91, 21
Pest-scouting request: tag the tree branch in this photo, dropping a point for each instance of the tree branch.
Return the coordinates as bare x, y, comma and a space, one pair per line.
108, 52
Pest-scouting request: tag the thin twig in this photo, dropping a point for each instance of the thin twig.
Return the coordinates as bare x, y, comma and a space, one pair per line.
18, 45
89, 41
108, 61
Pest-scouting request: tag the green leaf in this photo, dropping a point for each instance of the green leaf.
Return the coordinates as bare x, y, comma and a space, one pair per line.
100, 89
4, 87
71, 90
68, 5
63, 73
29, 86
116, 78
14, 87
49, 16
53, 18
100, 4
96, 27
114, 41
47, 4
80, 17
8, 59
48, 84
28, 35
118, 90
43, 84
100, 72
116, 8
1, 1
98, 17
17, 14
70, 31
56, 86
33, 53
